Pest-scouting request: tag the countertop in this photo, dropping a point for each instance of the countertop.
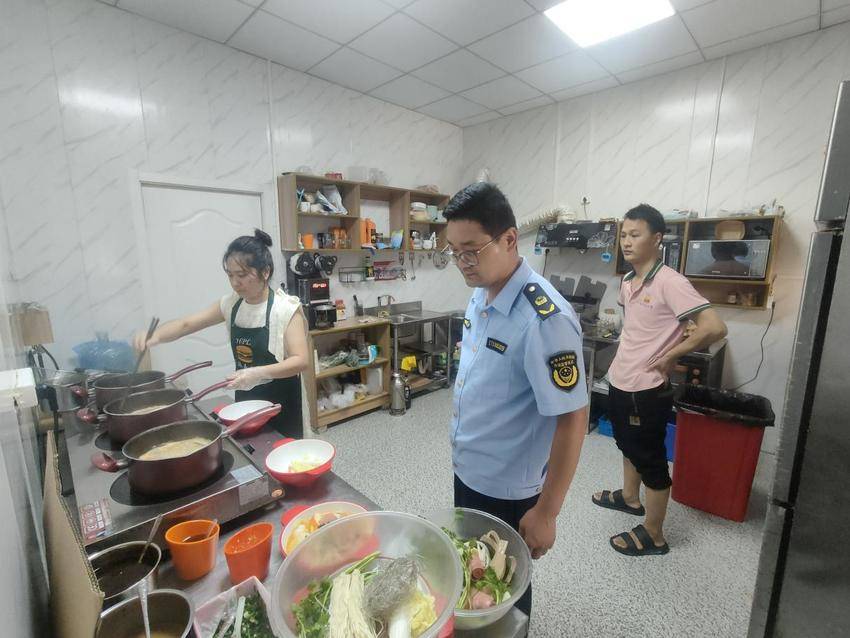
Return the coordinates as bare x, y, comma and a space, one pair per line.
328, 487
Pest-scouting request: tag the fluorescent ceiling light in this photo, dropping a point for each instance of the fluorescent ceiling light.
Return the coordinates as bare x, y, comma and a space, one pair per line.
590, 22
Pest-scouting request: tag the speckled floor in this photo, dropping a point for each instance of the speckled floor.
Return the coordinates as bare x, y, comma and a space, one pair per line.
703, 587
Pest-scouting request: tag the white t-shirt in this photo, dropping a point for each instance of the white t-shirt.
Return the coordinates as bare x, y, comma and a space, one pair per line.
254, 316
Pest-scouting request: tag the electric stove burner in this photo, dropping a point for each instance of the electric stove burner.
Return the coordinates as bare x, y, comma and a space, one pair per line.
103, 442
122, 493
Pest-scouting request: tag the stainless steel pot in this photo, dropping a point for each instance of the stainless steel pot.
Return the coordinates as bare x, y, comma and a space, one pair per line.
116, 569
169, 611
70, 388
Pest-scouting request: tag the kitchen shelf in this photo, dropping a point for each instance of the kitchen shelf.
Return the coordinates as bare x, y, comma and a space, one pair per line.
353, 194
344, 369
378, 333
325, 216
329, 417
702, 228
710, 280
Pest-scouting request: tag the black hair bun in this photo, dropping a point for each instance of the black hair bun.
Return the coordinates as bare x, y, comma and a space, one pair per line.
263, 237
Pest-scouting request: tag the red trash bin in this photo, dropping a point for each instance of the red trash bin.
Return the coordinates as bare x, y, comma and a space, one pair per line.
718, 440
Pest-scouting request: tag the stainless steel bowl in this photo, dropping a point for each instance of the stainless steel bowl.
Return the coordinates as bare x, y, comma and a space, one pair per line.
169, 610
107, 566
469, 523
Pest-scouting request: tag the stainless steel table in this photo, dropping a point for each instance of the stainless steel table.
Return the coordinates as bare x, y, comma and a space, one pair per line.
328, 488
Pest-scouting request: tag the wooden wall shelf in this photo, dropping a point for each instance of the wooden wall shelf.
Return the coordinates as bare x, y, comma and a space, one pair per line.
293, 222
717, 291
377, 333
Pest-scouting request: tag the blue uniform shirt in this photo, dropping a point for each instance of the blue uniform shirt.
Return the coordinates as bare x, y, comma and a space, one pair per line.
520, 367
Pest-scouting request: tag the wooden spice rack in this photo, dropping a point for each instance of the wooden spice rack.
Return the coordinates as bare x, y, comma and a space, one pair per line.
293, 222
377, 332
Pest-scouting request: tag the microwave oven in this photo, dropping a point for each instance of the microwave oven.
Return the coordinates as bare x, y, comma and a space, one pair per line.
728, 259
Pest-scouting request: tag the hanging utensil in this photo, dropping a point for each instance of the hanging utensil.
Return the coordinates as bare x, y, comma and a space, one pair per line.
154, 530
151, 330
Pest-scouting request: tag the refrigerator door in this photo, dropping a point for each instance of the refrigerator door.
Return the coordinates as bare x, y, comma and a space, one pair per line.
777, 520
811, 319
834, 196
815, 590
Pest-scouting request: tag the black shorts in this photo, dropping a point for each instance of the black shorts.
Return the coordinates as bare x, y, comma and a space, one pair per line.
640, 426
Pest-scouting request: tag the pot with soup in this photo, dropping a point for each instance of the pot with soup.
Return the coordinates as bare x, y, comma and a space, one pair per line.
178, 456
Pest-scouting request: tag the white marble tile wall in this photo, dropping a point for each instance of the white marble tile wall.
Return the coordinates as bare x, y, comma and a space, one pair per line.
90, 93
723, 135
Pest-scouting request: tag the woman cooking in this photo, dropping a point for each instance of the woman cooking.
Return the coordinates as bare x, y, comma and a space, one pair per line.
268, 333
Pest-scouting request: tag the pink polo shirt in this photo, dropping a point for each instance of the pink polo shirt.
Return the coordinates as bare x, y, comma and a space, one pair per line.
653, 322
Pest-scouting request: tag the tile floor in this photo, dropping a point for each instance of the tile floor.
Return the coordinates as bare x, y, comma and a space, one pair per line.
582, 587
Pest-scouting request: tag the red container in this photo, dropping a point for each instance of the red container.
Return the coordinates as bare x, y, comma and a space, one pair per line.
717, 453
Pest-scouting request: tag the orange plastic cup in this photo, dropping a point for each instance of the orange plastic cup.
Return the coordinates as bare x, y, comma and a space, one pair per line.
248, 552
193, 558
307, 240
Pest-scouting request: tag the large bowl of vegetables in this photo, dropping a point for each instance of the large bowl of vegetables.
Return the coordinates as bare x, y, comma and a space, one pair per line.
370, 575
495, 560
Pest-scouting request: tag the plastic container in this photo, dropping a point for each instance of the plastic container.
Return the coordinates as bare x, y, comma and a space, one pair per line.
604, 426
288, 450
341, 543
195, 558
294, 516
718, 439
469, 523
209, 615
248, 551
670, 441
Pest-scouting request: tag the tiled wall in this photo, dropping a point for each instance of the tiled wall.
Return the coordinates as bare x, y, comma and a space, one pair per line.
723, 135
89, 93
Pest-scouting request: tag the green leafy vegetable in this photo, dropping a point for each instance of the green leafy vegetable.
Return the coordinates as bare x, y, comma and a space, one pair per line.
255, 621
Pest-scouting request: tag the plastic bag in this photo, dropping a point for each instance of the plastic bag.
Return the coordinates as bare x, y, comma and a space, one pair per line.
106, 355
330, 198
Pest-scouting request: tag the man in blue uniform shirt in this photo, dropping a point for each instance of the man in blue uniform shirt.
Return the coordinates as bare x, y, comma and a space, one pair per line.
518, 419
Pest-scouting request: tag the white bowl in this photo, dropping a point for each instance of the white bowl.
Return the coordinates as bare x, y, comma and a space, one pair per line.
338, 507
235, 411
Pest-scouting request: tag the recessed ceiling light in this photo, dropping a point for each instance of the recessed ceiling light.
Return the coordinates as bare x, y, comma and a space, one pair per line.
590, 22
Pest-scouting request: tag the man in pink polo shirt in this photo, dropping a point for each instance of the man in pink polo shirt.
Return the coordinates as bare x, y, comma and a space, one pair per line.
657, 302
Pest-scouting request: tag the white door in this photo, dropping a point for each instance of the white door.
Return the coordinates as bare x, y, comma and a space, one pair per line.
186, 231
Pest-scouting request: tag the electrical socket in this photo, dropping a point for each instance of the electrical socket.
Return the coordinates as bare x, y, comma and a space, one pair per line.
585, 200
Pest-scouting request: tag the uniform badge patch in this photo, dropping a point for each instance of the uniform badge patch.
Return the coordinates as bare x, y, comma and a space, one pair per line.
539, 300
467, 323
496, 345
563, 368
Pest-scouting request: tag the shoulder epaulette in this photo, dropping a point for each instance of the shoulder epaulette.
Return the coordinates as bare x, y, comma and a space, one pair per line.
539, 300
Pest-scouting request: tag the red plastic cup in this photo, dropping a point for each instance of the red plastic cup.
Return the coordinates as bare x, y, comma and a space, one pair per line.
248, 552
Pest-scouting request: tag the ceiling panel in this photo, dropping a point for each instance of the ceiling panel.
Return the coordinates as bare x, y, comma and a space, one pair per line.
525, 44
479, 119
542, 5
543, 100
662, 40
270, 37
684, 5
563, 72
584, 89
464, 21
724, 20
354, 70
349, 19
453, 109
763, 37
459, 71
403, 43
659, 68
502, 92
409, 92
214, 19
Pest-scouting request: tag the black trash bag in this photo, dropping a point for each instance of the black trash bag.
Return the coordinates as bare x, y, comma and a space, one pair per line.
746, 409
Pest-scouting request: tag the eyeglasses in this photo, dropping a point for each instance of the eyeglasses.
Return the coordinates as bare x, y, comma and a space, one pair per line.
469, 257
